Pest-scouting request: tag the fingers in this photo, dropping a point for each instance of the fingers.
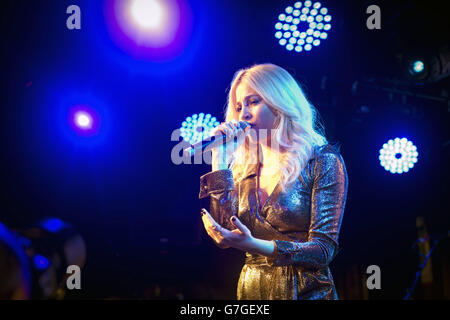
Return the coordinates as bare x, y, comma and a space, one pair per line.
230, 129
213, 229
239, 225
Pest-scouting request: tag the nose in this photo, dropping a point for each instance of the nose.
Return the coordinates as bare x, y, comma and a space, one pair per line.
245, 114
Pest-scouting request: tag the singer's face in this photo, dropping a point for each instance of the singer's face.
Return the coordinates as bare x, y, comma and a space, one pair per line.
251, 107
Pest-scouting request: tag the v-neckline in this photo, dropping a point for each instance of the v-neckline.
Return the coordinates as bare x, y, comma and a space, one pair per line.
261, 208
269, 196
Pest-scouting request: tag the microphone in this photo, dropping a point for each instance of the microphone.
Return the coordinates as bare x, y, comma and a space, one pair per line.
212, 142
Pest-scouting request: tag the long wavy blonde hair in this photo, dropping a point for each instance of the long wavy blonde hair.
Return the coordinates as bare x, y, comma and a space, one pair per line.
297, 128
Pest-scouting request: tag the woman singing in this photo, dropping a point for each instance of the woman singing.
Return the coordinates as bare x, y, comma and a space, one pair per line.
279, 195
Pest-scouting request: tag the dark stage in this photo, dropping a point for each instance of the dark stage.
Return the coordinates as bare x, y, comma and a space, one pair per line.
138, 212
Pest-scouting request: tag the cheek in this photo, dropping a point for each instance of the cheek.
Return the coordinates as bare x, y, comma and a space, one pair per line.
268, 118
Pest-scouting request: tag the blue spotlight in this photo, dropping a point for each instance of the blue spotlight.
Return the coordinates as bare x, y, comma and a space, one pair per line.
197, 127
84, 120
307, 18
40, 262
53, 225
398, 155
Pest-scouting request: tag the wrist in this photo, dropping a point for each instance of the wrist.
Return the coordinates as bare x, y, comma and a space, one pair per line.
262, 247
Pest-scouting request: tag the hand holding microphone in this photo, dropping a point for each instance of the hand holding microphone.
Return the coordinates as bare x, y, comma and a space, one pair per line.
221, 143
221, 155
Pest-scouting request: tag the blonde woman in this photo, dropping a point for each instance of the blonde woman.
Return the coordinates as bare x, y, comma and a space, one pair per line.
279, 194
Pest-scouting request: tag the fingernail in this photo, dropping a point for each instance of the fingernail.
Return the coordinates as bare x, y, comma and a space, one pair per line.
202, 212
233, 218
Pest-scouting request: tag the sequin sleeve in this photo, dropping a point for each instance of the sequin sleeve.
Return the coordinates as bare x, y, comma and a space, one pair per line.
329, 192
219, 186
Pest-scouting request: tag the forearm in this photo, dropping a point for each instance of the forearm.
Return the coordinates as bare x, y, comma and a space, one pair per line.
312, 254
262, 247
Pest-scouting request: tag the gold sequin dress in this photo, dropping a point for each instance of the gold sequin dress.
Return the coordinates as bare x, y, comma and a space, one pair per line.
303, 221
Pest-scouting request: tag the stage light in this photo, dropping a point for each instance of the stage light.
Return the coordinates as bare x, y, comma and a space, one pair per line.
398, 155
157, 30
83, 120
53, 224
417, 67
147, 13
306, 25
197, 127
40, 262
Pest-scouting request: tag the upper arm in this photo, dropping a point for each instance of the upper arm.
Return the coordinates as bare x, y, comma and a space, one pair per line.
329, 193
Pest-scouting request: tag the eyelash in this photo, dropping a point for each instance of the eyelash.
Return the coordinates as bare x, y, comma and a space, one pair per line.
238, 109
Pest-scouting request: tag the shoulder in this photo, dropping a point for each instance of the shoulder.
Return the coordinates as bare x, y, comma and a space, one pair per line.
328, 157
